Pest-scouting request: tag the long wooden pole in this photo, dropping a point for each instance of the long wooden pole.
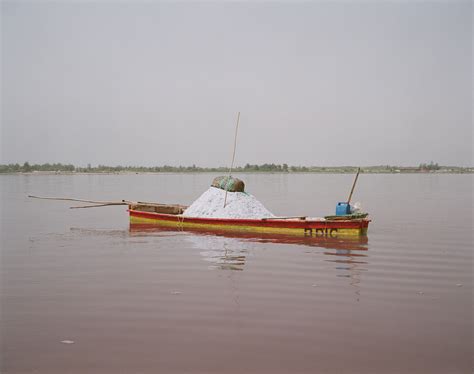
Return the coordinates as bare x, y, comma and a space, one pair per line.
95, 206
353, 186
233, 156
80, 200
101, 203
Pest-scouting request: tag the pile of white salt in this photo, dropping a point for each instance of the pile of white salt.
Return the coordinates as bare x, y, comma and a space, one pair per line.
238, 205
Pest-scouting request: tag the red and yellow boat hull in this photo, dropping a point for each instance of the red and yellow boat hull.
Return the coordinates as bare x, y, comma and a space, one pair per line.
296, 227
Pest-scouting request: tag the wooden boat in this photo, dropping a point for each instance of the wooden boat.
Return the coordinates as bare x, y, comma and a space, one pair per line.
343, 224
166, 215
171, 216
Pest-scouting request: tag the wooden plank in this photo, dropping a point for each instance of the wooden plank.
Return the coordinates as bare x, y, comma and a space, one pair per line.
158, 208
291, 217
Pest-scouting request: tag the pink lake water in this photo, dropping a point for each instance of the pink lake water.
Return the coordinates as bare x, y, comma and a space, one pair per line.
177, 302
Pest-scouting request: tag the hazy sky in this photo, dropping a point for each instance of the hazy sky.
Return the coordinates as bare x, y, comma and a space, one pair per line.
322, 83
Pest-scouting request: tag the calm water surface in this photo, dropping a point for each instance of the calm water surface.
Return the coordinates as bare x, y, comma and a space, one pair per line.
135, 301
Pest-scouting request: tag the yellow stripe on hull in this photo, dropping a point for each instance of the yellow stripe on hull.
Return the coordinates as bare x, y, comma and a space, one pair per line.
183, 224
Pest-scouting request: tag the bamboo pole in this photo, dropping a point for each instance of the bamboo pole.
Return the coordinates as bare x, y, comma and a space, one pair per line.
353, 186
123, 202
233, 157
104, 203
95, 206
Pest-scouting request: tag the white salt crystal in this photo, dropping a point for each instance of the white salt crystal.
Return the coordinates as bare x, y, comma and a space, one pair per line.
239, 205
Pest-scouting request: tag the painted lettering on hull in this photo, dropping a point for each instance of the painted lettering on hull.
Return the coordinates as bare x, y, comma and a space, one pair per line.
320, 232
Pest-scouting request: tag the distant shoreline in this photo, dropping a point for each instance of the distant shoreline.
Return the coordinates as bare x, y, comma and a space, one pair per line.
39, 173
59, 168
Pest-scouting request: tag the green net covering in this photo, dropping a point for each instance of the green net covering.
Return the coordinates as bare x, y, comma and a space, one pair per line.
230, 184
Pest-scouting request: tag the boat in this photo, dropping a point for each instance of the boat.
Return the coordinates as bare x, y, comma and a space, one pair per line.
171, 216
345, 223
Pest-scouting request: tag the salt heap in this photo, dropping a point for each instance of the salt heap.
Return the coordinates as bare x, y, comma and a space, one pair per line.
239, 205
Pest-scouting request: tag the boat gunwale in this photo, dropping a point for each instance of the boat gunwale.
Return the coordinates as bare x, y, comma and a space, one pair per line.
361, 222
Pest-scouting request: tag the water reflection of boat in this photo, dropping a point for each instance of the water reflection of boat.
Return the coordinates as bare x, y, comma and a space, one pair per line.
229, 250
225, 250
223, 253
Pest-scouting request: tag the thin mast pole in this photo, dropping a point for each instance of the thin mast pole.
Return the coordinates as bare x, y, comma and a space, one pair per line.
233, 156
353, 186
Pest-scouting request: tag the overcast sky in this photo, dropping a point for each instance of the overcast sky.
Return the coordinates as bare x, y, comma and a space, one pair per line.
323, 83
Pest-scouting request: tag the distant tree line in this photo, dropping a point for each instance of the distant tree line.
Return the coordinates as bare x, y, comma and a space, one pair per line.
58, 167
267, 167
430, 166
26, 167
272, 168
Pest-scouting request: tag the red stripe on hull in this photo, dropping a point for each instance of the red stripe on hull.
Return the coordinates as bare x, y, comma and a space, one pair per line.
289, 224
